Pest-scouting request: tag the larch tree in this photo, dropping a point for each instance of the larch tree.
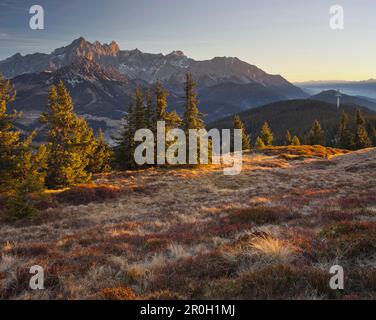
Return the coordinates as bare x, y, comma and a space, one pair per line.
288, 138
316, 135
259, 143
266, 135
295, 141
361, 138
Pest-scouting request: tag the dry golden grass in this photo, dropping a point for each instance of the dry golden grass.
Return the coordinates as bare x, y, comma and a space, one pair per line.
164, 233
275, 249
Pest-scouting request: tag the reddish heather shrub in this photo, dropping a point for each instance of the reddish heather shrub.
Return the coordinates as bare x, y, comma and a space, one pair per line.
187, 275
346, 228
361, 282
163, 295
261, 215
30, 250
285, 282
84, 194
21, 283
122, 293
338, 215
350, 239
358, 202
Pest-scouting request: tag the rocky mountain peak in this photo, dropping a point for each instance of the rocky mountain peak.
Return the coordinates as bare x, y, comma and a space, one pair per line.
177, 53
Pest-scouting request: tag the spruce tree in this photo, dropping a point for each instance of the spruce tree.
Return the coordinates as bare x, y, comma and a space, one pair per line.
373, 135
124, 151
161, 103
361, 139
316, 135
192, 116
101, 157
345, 137
246, 141
23, 201
70, 140
171, 119
9, 138
288, 138
18, 160
140, 116
149, 110
266, 135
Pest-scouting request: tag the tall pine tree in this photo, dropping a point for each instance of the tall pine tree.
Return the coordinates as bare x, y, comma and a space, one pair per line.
192, 116
246, 141
124, 151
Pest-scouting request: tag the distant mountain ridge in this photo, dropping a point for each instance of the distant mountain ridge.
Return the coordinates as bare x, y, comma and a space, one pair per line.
366, 88
170, 69
330, 96
101, 78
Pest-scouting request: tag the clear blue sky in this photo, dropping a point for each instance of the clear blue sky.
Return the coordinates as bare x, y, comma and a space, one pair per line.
288, 37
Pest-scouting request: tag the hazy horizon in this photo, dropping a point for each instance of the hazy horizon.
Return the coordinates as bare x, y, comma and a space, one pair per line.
293, 39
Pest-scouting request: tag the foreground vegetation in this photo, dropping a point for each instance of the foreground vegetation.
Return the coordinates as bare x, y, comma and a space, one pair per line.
271, 232
183, 232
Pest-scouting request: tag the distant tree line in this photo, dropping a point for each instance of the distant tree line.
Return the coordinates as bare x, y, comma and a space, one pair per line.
360, 136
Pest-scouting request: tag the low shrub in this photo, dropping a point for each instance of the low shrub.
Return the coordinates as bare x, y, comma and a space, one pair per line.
350, 240
285, 282
85, 194
121, 293
261, 215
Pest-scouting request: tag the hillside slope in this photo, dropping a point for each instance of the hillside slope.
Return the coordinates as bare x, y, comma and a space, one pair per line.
271, 232
296, 116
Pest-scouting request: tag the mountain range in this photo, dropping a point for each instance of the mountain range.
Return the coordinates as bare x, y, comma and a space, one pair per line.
362, 89
330, 97
101, 77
